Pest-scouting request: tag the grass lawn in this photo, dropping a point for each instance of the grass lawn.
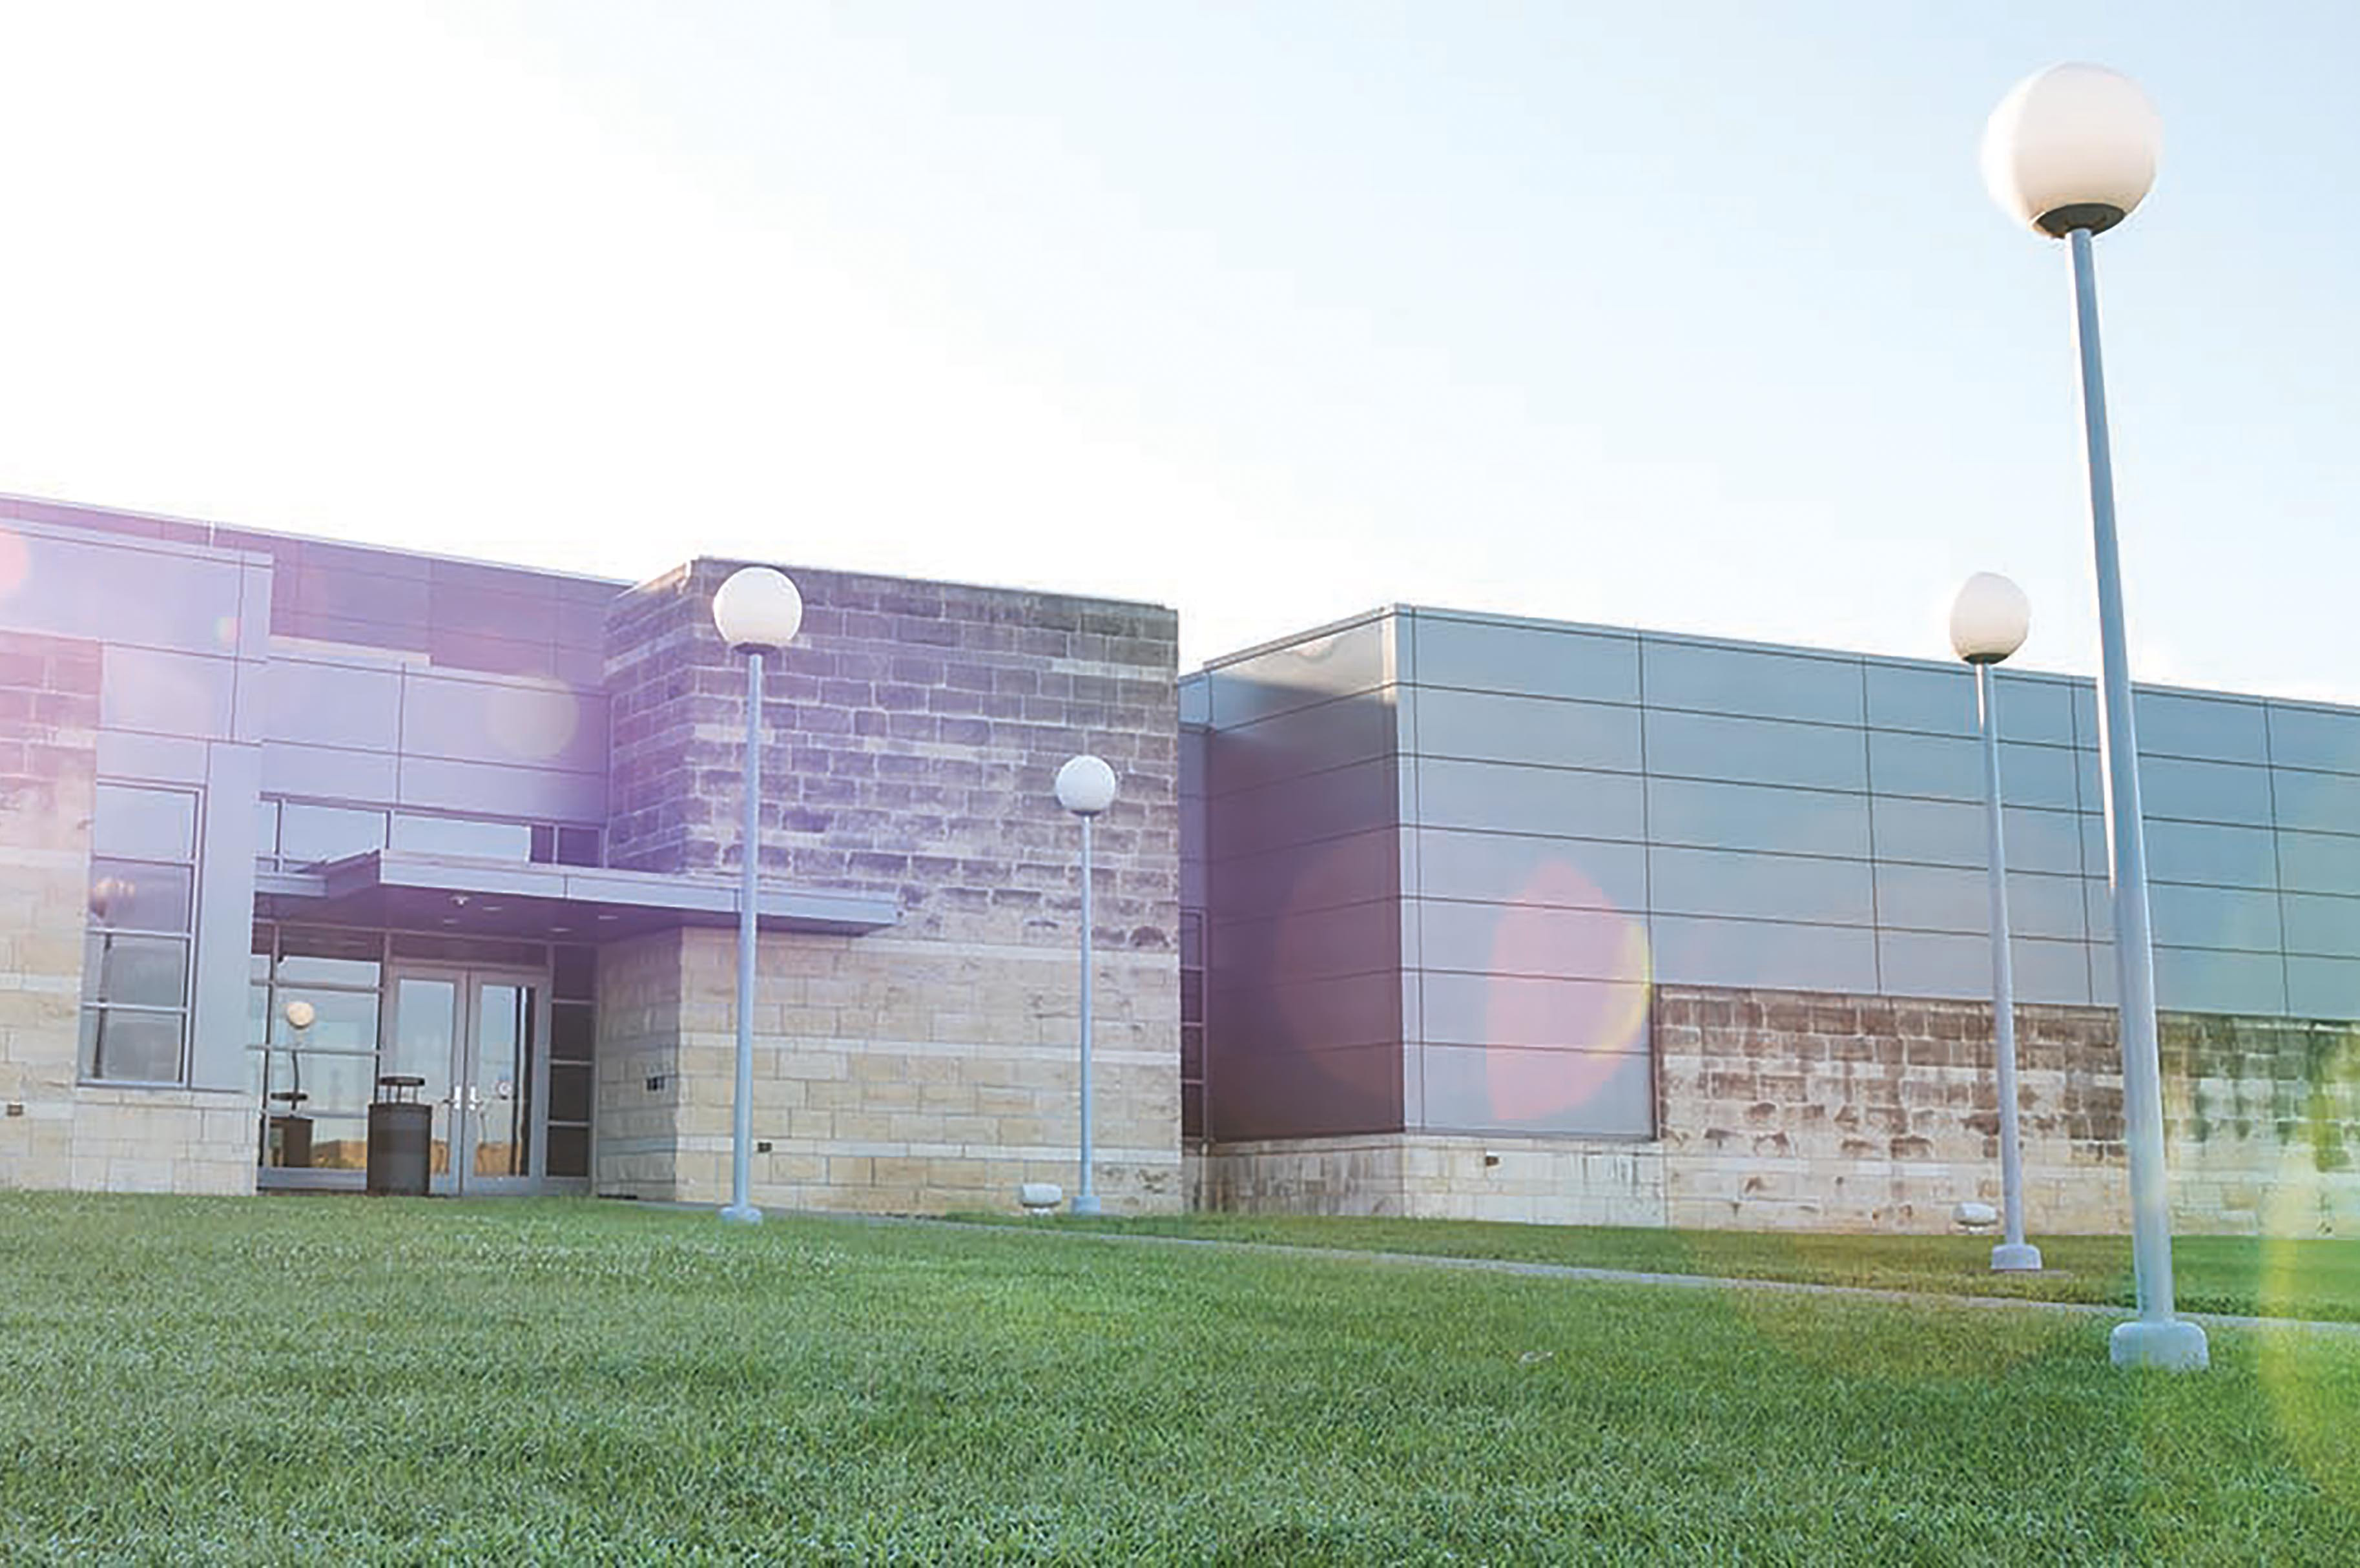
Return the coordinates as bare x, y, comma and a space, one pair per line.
2242, 1275
344, 1378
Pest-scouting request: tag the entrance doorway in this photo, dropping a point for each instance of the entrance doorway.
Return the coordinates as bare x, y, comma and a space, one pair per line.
473, 1037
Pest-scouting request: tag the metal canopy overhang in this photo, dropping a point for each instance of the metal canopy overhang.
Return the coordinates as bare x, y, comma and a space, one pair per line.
394, 890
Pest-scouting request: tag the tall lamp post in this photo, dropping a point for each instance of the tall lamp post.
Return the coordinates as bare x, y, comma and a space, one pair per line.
2071, 151
1086, 788
757, 608
1988, 622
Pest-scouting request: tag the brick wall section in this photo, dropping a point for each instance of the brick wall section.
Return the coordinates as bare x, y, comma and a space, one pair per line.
1856, 1112
912, 734
55, 1132
1795, 1110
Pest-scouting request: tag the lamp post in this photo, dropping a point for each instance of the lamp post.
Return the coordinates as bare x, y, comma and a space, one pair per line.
1988, 622
2071, 151
757, 608
1086, 788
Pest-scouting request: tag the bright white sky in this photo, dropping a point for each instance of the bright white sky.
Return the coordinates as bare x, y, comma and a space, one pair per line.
1691, 315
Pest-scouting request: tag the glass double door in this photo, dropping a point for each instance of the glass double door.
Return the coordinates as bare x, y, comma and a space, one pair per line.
472, 1039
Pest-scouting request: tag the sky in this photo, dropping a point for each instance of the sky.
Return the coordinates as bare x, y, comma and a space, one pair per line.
1691, 315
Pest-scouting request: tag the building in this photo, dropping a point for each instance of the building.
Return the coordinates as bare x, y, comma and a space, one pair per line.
1525, 921
484, 820
1421, 913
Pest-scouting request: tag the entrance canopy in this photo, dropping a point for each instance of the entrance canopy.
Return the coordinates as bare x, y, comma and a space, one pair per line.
400, 891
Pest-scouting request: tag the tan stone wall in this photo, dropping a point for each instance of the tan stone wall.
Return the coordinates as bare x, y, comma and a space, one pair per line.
1429, 1176
54, 1131
893, 1075
1790, 1110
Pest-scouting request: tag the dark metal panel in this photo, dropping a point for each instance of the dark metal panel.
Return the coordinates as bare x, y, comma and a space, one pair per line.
1701, 952
1528, 661
1334, 805
1312, 670
1754, 682
1344, 870
1755, 751
1761, 886
1510, 798
1251, 1095
1747, 816
1551, 731
1520, 869
1306, 944
1301, 741
1531, 939
1597, 1094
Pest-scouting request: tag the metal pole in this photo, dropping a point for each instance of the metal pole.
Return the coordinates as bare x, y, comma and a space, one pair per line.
2157, 1338
2012, 1253
741, 1207
1086, 1200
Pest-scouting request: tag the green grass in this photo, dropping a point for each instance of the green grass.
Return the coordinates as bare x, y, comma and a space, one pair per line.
2240, 1275
342, 1379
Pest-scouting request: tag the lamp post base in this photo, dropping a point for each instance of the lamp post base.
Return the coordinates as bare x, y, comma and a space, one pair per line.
2015, 1258
2173, 1345
742, 1214
1087, 1204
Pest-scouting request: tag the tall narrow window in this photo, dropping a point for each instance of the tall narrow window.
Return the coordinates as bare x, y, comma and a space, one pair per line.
1192, 1023
135, 950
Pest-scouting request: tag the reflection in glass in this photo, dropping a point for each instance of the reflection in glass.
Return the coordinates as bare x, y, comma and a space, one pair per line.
148, 824
130, 1046
501, 1093
462, 836
425, 1027
342, 1021
132, 895
309, 835
323, 956
139, 970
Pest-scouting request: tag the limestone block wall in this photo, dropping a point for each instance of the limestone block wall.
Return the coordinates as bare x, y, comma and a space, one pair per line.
912, 735
1815, 1111
56, 1132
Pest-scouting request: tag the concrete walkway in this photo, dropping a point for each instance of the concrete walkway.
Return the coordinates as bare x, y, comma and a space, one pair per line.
1610, 1275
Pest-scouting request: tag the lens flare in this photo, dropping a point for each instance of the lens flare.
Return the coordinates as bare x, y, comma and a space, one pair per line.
532, 723
16, 561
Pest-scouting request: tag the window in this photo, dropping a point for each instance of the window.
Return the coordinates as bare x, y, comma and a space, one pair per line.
135, 948
1192, 1023
296, 834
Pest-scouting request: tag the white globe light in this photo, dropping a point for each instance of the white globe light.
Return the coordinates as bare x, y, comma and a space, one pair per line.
1989, 619
1086, 786
759, 606
2072, 147
300, 1015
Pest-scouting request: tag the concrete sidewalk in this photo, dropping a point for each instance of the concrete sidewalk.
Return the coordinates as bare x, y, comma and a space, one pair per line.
1614, 1276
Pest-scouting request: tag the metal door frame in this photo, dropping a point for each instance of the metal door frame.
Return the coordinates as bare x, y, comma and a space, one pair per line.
468, 980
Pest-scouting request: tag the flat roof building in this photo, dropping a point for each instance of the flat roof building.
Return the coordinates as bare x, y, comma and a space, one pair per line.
1424, 912
484, 820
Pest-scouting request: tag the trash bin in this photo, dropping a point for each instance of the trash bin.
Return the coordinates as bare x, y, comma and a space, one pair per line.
288, 1143
400, 1133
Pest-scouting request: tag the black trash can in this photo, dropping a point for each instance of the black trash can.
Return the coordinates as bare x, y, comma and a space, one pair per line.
400, 1134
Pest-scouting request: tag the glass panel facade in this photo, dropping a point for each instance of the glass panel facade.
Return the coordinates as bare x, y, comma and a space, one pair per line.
142, 906
308, 833
463, 836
